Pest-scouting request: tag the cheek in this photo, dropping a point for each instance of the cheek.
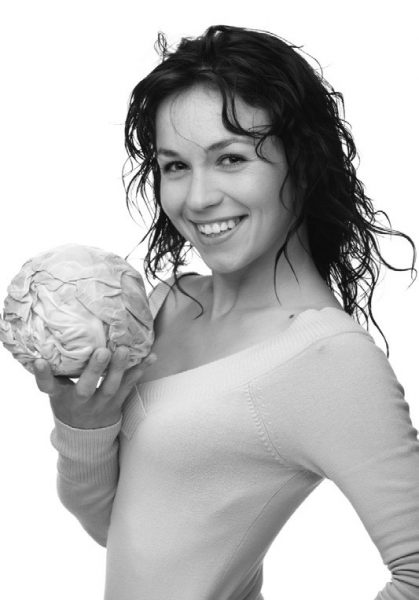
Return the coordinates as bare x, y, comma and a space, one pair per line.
262, 191
274, 187
170, 199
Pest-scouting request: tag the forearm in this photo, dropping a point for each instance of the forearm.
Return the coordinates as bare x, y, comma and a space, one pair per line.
88, 471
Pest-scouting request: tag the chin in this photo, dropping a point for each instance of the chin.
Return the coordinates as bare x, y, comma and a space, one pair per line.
225, 269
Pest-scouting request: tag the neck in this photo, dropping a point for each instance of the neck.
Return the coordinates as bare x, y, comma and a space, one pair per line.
231, 294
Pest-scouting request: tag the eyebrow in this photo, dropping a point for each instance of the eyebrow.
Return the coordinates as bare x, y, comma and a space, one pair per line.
215, 146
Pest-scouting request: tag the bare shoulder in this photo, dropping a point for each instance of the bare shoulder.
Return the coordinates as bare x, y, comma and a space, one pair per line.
175, 341
194, 284
177, 301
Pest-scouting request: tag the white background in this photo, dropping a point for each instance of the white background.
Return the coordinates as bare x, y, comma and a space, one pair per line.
68, 70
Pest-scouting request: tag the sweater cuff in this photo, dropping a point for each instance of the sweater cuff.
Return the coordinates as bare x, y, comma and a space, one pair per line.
110, 432
86, 453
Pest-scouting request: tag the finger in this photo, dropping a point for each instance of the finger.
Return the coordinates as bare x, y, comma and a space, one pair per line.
87, 383
134, 373
116, 370
44, 377
132, 376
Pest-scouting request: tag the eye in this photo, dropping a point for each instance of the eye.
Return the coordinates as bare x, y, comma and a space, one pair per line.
173, 167
228, 160
235, 159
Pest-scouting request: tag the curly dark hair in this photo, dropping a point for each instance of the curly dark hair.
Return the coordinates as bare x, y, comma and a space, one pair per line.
266, 72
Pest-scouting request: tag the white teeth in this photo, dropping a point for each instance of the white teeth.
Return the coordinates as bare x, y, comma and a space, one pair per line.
218, 227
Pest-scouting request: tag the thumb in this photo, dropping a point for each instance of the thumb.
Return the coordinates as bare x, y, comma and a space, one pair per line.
151, 358
135, 373
44, 379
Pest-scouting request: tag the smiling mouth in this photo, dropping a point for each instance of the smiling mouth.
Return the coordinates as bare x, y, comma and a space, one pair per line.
223, 233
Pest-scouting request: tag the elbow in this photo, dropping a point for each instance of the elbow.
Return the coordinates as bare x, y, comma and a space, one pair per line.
98, 535
405, 578
93, 511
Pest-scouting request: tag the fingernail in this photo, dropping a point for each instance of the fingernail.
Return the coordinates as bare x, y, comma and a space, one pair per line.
39, 366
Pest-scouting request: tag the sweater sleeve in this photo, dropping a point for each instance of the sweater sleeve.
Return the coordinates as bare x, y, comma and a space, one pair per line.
88, 463
339, 411
87, 474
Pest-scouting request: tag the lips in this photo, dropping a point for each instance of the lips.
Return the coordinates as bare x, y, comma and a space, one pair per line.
219, 220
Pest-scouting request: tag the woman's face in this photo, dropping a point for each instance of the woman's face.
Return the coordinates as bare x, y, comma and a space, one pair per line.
209, 174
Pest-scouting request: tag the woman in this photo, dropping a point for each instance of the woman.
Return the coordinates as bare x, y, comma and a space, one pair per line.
274, 386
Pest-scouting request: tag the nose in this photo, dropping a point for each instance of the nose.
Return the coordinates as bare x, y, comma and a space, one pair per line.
202, 192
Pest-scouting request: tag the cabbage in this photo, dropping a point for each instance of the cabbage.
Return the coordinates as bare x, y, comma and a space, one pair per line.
70, 300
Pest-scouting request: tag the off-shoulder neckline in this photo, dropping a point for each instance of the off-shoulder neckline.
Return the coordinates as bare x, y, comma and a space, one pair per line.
303, 327
245, 351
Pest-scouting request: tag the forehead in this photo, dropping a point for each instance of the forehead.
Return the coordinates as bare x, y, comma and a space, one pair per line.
194, 116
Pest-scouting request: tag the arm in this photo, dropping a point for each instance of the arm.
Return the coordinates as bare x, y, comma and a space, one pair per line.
88, 461
338, 410
87, 474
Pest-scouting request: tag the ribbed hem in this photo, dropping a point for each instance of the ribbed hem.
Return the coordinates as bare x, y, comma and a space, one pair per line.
109, 432
86, 454
133, 413
308, 327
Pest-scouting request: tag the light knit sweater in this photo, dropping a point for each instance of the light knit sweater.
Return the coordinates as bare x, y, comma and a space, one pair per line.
190, 488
